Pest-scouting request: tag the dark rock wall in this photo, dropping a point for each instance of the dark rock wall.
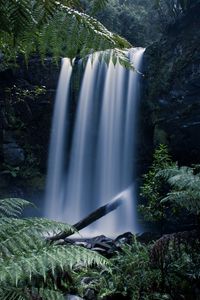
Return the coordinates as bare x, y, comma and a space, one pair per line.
172, 96
26, 104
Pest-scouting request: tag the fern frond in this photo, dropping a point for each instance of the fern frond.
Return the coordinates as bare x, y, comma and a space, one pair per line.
186, 180
45, 10
15, 293
112, 55
166, 173
46, 226
186, 187
9, 293
29, 265
48, 294
98, 30
181, 178
55, 28
12, 207
98, 5
48, 259
189, 200
24, 235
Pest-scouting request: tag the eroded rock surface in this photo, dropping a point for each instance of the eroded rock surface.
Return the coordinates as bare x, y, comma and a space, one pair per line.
173, 89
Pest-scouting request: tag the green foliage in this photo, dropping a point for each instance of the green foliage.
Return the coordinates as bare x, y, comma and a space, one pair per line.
171, 10
154, 187
30, 265
166, 269
30, 293
97, 5
178, 258
29, 170
136, 20
175, 6
18, 104
12, 207
51, 27
185, 183
132, 274
16, 95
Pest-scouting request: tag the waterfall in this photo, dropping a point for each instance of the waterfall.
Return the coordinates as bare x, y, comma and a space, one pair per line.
55, 183
102, 149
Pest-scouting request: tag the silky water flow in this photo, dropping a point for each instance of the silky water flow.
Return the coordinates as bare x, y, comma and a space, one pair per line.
102, 147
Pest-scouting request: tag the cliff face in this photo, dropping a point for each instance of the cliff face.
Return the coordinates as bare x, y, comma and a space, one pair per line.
26, 103
172, 95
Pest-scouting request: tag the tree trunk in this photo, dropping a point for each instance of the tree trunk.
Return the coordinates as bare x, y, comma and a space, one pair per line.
94, 216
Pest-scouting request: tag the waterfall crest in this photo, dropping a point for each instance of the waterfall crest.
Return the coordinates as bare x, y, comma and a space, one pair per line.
101, 163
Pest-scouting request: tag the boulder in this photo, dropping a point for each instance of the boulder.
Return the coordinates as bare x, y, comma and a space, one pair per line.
72, 297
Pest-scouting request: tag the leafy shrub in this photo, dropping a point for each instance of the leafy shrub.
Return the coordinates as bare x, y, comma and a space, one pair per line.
130, 275
166, 269
154, 187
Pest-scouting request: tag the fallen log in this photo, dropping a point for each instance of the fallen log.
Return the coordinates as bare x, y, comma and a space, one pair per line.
92, 217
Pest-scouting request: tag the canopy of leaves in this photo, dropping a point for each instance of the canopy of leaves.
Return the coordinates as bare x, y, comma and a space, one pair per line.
136, 20
52, 27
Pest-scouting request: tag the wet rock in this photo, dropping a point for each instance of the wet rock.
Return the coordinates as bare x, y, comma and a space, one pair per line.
72, 297
13, 154
116, 296
125, 238
69, 241
147, 237
90, 294
8, 137
86, 280
106, 246
100, 251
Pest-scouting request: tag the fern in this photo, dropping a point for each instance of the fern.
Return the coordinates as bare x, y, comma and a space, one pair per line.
30, 234
112, 55
47, 259
39, 224
185, 188
12, 207
28, 293
29, 264
189, 200
98, 5
13, 294
52, 27
48, 294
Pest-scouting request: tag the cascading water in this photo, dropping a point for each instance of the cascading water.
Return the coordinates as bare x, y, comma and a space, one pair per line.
56, 155
101, 163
